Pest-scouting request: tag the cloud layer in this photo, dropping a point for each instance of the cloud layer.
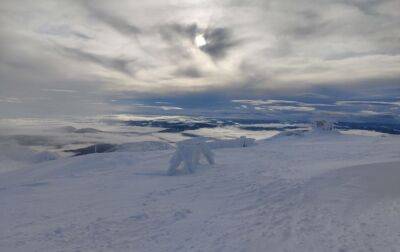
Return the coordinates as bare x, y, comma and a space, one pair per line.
103, 50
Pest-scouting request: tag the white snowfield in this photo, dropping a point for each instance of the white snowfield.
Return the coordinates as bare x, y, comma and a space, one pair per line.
313, 192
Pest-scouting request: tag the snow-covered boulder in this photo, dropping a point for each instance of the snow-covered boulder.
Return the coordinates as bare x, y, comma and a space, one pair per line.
188, 153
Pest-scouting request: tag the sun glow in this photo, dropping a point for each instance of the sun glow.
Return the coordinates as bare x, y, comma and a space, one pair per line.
200, 40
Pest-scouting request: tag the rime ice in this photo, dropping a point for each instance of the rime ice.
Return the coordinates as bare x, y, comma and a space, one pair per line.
189, 152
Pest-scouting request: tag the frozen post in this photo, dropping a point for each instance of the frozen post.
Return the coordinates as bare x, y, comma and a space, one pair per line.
246, 142
189, 153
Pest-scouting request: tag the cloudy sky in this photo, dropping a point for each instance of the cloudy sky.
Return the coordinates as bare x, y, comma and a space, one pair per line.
73, 56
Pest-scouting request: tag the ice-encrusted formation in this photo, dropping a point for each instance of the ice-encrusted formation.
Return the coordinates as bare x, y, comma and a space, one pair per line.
189, 153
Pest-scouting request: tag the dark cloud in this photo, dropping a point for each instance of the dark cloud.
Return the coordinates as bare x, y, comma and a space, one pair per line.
309, 24
175, 35
117, 64
81, 35
191, 72
366, 6
119, 24
219, 41
171, 32
369, 90
62, 31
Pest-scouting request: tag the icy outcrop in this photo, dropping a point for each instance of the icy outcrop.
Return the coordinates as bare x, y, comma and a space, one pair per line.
189, 153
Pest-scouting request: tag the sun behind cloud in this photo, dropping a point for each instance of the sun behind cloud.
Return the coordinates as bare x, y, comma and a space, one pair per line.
200, 40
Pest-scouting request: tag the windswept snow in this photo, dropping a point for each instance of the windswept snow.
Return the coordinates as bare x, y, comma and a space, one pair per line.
305, 192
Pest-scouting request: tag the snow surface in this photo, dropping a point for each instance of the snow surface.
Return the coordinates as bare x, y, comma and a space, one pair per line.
14, 156
306, 192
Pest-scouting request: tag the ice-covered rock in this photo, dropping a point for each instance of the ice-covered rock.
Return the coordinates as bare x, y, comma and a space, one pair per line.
189, 152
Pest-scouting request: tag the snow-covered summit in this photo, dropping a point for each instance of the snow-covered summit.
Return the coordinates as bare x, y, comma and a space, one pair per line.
315, 192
